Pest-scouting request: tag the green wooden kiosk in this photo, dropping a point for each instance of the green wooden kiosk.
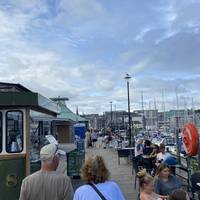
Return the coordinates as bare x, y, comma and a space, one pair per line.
17, 104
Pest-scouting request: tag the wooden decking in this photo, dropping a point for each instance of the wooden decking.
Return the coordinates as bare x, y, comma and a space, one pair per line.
122, 173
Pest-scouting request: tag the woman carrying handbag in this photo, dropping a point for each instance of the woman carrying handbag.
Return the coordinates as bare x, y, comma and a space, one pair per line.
98, 186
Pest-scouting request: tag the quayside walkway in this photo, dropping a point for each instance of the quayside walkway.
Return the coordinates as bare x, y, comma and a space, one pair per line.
122, 173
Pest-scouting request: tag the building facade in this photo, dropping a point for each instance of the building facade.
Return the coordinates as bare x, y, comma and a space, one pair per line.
144, 120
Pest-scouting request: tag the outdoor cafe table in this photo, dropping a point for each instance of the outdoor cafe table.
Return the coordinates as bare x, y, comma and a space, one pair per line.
125, 153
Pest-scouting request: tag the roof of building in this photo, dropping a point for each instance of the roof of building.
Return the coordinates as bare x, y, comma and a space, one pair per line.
15, 95
13, 87
66, 113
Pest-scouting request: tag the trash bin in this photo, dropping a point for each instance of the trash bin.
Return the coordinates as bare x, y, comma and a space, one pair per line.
75, 159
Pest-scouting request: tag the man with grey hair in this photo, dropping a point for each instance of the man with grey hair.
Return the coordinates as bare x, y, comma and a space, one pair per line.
47, 184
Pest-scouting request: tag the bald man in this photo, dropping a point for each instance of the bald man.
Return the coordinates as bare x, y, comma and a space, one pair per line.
47, 184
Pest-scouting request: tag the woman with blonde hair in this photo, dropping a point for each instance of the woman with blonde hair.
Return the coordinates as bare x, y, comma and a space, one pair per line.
147, 186
98, 186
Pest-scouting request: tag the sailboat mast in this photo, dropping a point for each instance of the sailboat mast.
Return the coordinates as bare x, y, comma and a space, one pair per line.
177, 110
178, 147
163, 108
143, 116
155, 108
185, 111
193, 112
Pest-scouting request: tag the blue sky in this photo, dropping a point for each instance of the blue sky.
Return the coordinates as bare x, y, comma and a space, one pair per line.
82, 49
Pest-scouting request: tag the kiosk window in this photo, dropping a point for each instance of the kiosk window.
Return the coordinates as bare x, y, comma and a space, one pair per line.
0, 132
14, 131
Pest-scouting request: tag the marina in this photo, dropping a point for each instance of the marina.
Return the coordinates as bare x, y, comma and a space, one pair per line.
32, 121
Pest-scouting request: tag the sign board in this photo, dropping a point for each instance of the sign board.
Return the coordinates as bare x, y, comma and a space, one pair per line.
80, 130
75, 159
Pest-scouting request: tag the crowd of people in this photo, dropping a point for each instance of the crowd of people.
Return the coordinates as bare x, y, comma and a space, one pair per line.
156, 180
151, 155
148, 190
93, 137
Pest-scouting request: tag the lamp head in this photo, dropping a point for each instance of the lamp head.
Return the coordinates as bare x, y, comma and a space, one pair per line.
127, 77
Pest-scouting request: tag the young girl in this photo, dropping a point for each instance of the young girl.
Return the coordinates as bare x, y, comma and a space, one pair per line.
165, 182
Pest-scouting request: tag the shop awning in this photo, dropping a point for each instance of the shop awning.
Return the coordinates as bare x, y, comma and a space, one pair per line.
28, 99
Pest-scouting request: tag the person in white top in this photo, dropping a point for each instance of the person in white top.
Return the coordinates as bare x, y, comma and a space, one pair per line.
139, 152
139, 147
95, 171
162, 156
94, 137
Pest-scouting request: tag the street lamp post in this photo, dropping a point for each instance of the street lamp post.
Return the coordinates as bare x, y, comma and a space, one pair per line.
111, 114
127, 77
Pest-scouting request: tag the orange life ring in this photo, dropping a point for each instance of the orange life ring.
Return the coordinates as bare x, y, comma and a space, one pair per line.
190, 139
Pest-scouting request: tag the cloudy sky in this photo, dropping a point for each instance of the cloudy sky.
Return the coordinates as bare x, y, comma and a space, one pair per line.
82, 49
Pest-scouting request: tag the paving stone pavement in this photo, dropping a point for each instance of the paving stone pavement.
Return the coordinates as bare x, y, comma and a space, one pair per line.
122, 173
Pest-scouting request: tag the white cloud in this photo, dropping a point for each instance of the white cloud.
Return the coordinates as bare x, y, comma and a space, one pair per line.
106, 85
81, 49
143, 32
79, 11
140, 66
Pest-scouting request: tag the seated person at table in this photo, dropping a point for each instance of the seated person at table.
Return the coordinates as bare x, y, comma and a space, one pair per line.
139, 148
147, 148
147, 161
170, 160
162, 155
139, 151
155, 152
165, 182
153, 157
